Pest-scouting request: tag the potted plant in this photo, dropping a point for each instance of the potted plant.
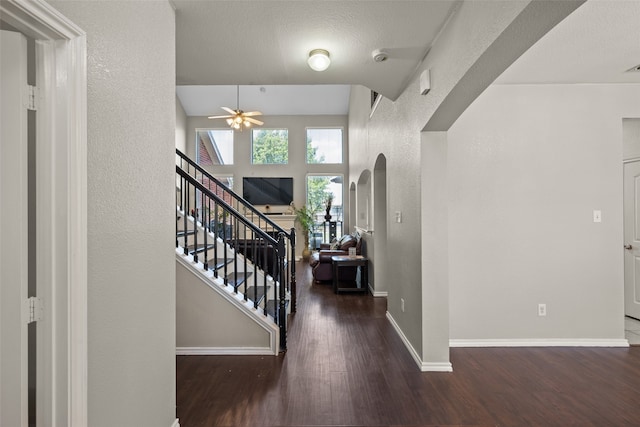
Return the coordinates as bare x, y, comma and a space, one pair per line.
304, 217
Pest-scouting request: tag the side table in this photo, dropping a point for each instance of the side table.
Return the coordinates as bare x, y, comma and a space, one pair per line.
359, 262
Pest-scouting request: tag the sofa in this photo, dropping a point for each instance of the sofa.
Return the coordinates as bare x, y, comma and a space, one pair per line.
321, 266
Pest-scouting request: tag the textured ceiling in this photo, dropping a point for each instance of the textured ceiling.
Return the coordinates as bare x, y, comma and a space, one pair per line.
597, 43
269, 99
267, 42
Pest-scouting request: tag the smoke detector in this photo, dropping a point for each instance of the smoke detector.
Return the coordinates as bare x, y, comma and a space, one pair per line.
379, 55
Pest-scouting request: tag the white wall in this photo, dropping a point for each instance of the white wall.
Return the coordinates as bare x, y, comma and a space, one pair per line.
131, 260
480, 40
527, 166
297, 166
205, 319
181, 127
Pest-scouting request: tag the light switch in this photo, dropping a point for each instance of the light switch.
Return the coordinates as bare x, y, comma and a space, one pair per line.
398, 216
597, 216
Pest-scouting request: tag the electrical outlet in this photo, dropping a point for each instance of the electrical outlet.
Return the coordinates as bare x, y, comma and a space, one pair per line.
402, 304
542, 309
597, 216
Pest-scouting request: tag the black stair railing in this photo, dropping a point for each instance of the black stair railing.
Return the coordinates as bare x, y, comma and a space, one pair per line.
246, 248
249, 211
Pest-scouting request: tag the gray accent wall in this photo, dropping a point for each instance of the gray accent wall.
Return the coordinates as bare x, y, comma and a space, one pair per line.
206, 320
478, 33
131, 258
181, 127
527, 165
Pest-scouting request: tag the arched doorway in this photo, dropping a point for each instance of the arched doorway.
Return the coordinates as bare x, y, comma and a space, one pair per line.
379, 282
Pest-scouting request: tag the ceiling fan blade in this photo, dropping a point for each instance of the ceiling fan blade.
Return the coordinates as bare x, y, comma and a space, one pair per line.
253, 113
219, 117
254, 121
229, 110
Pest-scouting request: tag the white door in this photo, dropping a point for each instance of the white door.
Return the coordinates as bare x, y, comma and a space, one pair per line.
632, 239
13, 230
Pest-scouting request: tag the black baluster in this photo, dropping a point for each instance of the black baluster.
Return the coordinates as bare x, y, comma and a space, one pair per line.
215, 233
205, 227
254, 259
294, 297
185, 208
282, 311
195, 224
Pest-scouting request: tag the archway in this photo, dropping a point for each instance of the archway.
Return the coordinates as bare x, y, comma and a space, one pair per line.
380, 213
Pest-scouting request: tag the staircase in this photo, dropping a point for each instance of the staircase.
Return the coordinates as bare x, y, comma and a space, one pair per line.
235, 249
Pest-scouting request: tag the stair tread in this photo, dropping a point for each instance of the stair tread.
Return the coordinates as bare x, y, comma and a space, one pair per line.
238, 280
199, 248
260, 293
218, 263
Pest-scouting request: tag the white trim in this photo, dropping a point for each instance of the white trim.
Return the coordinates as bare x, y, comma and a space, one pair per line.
423, 366
540, 342
223, 351
631, 160
378, 294
176, 423
266, 322
62, 248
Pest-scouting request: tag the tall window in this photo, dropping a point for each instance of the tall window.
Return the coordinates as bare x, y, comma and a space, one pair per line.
269, 146
324, 146
321, 189
214, 147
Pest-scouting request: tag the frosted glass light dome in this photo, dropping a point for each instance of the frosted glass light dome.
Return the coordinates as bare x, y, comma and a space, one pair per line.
319, 59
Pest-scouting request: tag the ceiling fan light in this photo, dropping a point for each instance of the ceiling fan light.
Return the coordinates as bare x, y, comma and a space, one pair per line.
247, 123
319, 59
229, 122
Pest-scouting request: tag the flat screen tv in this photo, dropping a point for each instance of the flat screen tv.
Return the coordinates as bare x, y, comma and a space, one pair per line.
267, 191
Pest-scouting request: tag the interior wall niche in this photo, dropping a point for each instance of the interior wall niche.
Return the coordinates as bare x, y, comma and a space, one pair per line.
352, 204
364, 205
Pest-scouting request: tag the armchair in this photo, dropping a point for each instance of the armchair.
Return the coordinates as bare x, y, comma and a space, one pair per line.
320, 261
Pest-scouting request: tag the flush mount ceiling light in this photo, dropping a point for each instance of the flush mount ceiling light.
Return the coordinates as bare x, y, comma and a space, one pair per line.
319, 59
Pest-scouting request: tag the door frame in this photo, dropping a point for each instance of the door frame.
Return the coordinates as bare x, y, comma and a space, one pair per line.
61, 196
625, 241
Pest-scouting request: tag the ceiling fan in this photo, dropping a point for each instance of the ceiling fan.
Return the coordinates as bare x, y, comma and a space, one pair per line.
237, 119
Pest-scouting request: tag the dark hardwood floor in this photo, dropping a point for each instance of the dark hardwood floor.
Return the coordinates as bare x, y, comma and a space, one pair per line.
347, 367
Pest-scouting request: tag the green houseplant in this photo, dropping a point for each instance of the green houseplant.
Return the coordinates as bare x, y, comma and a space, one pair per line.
304, 217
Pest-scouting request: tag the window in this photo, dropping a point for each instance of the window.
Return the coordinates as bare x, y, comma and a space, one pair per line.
269, 146
321, 188
324, 146
214, 147
375, 100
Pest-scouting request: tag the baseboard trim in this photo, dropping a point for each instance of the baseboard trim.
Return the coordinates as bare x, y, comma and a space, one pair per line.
423, 366
223, 351
548, 342
378, 294
175, 423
